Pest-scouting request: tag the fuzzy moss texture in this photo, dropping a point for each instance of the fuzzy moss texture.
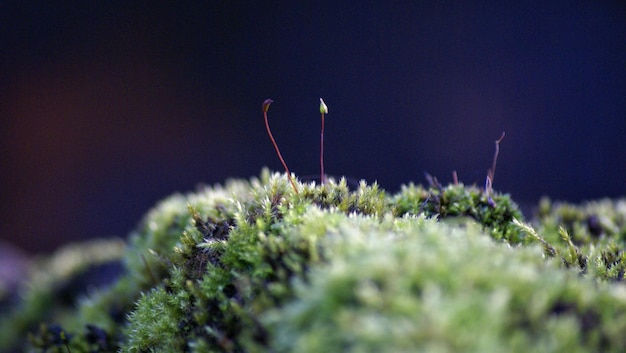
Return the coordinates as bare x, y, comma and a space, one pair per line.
252, 266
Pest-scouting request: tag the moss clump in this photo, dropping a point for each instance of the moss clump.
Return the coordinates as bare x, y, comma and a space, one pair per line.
415, 285
55, 287
588, 237
494, 212
253, 266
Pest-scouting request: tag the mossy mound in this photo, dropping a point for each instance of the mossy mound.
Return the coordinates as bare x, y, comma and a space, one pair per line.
253, 266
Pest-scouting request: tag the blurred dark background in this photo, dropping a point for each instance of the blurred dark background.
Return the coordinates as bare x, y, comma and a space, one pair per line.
107, 107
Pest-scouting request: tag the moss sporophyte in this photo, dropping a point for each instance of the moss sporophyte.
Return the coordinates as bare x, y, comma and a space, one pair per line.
323, 111
252, 266
266, 107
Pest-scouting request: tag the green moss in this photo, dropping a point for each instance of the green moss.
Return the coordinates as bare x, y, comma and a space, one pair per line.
494, 212
588, 223
588, 237
56, 286
253, 266
425, 286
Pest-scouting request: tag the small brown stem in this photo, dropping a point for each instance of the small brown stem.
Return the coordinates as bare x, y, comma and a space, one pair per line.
266, 107
322, 153
492, 171
323, 111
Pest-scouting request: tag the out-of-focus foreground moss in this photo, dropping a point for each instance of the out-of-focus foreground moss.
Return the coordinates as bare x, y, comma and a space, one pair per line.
251, 266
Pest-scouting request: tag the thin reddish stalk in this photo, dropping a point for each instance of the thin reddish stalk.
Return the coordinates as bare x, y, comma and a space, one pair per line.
322, 177
266, 106
323, 111
492, 172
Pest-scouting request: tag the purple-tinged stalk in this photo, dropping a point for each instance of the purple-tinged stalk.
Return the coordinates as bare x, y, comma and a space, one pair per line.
491, 173
266, 107
323, 111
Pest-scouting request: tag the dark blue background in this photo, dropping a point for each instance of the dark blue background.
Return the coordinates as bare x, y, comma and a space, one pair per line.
107, 108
